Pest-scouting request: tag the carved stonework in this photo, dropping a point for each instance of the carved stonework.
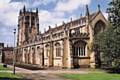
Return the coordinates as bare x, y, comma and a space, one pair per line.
65, 46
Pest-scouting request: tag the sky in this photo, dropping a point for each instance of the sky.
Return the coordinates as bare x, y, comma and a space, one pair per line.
51, 12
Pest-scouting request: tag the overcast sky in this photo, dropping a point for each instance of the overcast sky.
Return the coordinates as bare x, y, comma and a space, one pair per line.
51, 12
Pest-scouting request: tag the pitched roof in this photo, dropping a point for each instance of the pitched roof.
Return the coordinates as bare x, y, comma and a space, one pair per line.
77, 21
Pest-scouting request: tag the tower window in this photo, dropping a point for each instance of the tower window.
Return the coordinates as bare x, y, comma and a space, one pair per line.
27, 18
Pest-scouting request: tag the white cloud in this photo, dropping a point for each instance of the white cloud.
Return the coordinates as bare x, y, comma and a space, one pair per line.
3, 3
47, 18
9, 12
105, 15
45, 2
8, 19
70, 5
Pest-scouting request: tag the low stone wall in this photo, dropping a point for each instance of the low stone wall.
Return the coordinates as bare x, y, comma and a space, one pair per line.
29, 66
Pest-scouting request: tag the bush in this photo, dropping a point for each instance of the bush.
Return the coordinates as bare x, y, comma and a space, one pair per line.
112, 70
5, 65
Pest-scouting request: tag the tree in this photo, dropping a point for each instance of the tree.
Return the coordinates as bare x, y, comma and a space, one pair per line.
108, 42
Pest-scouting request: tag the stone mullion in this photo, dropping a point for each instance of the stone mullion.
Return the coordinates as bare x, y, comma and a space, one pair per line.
84, 50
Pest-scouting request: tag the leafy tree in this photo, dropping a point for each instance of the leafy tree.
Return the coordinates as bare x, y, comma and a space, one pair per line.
108, 42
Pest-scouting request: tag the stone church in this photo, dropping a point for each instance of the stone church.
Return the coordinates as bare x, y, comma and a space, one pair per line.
66, 46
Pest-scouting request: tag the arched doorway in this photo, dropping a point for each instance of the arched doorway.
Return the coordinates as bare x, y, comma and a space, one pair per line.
79, 50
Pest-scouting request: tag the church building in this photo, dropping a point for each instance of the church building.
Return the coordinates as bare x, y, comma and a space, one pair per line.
65, 46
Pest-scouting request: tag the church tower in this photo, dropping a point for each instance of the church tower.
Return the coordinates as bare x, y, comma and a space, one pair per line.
28, 26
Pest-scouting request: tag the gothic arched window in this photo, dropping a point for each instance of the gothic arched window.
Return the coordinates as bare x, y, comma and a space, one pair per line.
58, 49
99, 27
79, 48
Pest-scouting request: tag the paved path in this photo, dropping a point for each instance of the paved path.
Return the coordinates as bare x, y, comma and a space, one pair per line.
41, 76
46, 74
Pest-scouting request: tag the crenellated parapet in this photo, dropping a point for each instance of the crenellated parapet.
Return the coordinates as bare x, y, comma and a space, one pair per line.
28, 26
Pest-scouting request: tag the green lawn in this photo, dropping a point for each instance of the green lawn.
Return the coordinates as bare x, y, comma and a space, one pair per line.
3, 68
92, 76
7, 75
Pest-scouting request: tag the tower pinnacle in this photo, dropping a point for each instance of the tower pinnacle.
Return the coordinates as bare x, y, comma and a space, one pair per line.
24, 9
98, 7
87, 11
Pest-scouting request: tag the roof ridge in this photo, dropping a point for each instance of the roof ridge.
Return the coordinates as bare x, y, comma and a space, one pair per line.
81, 18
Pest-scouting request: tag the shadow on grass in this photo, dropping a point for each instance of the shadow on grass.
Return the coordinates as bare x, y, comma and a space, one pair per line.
112, 70
6, 78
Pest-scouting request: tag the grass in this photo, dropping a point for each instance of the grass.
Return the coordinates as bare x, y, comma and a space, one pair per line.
7, 75
98, 75
3, 68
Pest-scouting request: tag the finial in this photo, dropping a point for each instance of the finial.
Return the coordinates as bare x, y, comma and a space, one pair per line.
55, 25
87, 11
63, 22
81, 15
40, 32
49, 27
36, 10
44, 29
71, 19
98, 7
7, 45
20, 12
24, 9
